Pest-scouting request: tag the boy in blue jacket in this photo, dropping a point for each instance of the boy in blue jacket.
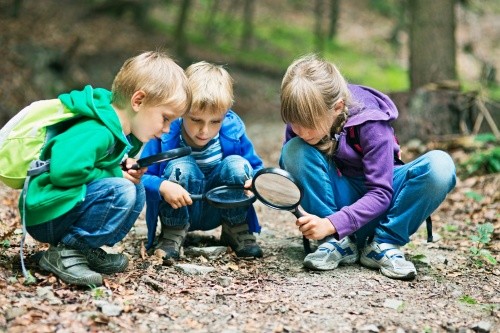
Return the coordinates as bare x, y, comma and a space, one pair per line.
222, 155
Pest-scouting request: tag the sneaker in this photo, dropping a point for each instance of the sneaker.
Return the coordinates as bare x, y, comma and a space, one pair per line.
389, 259
241, 240
105, 263
331, 253
171, 241
69, 265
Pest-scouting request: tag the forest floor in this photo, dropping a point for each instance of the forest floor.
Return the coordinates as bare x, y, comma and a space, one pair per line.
452, 292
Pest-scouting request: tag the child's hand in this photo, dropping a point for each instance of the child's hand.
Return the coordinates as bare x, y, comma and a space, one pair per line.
248, 184
133, 175
175, 194
314, 227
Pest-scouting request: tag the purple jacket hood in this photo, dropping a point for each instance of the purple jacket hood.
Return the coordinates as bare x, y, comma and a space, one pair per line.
369, 105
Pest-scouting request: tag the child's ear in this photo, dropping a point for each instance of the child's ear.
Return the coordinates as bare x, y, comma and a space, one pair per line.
137, 99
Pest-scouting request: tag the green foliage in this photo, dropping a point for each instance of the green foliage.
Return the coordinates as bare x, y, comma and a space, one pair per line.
481, 162
467, 299
484, 232
474, 196
479, 254
388, 8
422, 258
450, 228
97, 292
486, 138
29, 278
494, 92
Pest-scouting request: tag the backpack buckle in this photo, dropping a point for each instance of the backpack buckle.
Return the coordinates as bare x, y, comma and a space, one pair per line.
38, 167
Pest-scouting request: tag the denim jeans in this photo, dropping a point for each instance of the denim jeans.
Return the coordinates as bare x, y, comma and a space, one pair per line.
419, 188
108, 212
232, 170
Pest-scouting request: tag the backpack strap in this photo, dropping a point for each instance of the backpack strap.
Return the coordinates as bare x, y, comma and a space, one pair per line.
353, 141
37, 167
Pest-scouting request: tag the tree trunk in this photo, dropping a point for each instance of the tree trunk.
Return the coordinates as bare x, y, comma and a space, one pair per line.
210, 28
334, 17
318, 26
248, 15
432, 42
180, 30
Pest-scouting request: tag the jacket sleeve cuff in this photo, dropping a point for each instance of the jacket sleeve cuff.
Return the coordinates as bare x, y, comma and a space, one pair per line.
152, 185
342, 223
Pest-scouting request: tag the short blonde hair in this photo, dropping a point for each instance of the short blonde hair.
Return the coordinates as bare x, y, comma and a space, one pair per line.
159, 76
310, 88
211, 86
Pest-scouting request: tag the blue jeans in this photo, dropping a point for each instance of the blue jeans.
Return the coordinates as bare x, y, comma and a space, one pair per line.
419, 187
105, 217
233, 170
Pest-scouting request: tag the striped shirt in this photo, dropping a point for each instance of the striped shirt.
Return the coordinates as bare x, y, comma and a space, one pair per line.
208, 157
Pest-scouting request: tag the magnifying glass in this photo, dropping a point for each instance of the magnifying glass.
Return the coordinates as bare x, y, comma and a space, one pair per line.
276, 188
227, 196
161, 157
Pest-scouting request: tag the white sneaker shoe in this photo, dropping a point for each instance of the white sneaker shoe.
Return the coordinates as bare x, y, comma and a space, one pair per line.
389, 259
331, 253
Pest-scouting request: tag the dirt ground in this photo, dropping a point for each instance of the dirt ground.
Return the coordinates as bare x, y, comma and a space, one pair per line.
451, 292
272, 294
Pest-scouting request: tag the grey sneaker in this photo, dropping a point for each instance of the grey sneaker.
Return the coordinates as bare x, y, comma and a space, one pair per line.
241, 240
105, 263
331, 253
69, 265
389, 259
171, 240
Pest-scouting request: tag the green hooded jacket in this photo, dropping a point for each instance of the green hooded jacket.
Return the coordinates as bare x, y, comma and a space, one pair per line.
91, 148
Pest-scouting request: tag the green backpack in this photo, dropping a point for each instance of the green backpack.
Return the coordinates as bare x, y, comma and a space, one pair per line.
24, 136
22, 140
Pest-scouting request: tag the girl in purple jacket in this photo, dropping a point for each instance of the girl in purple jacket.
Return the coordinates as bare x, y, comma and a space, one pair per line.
362, 205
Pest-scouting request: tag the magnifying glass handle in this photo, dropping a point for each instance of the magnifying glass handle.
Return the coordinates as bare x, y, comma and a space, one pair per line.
307, 244
196, 196
135, 166
297, 212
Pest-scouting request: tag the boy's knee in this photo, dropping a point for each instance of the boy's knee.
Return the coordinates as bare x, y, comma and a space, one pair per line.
234, 161
237, 166
182, 170
442, 168
125, 192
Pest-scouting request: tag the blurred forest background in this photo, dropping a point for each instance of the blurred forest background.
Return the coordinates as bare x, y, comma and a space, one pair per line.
438, 60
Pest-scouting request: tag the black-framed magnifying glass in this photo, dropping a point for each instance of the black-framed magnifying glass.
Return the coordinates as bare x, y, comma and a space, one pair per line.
161, 157
227, 196
278, 189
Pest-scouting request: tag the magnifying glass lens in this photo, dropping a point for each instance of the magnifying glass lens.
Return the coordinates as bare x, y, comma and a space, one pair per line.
277, 190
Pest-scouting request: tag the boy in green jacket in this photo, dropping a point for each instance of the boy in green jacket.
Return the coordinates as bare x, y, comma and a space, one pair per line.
87, 199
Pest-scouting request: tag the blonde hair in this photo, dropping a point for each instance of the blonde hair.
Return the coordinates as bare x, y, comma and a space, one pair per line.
309, 91
212, 87
154, 72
